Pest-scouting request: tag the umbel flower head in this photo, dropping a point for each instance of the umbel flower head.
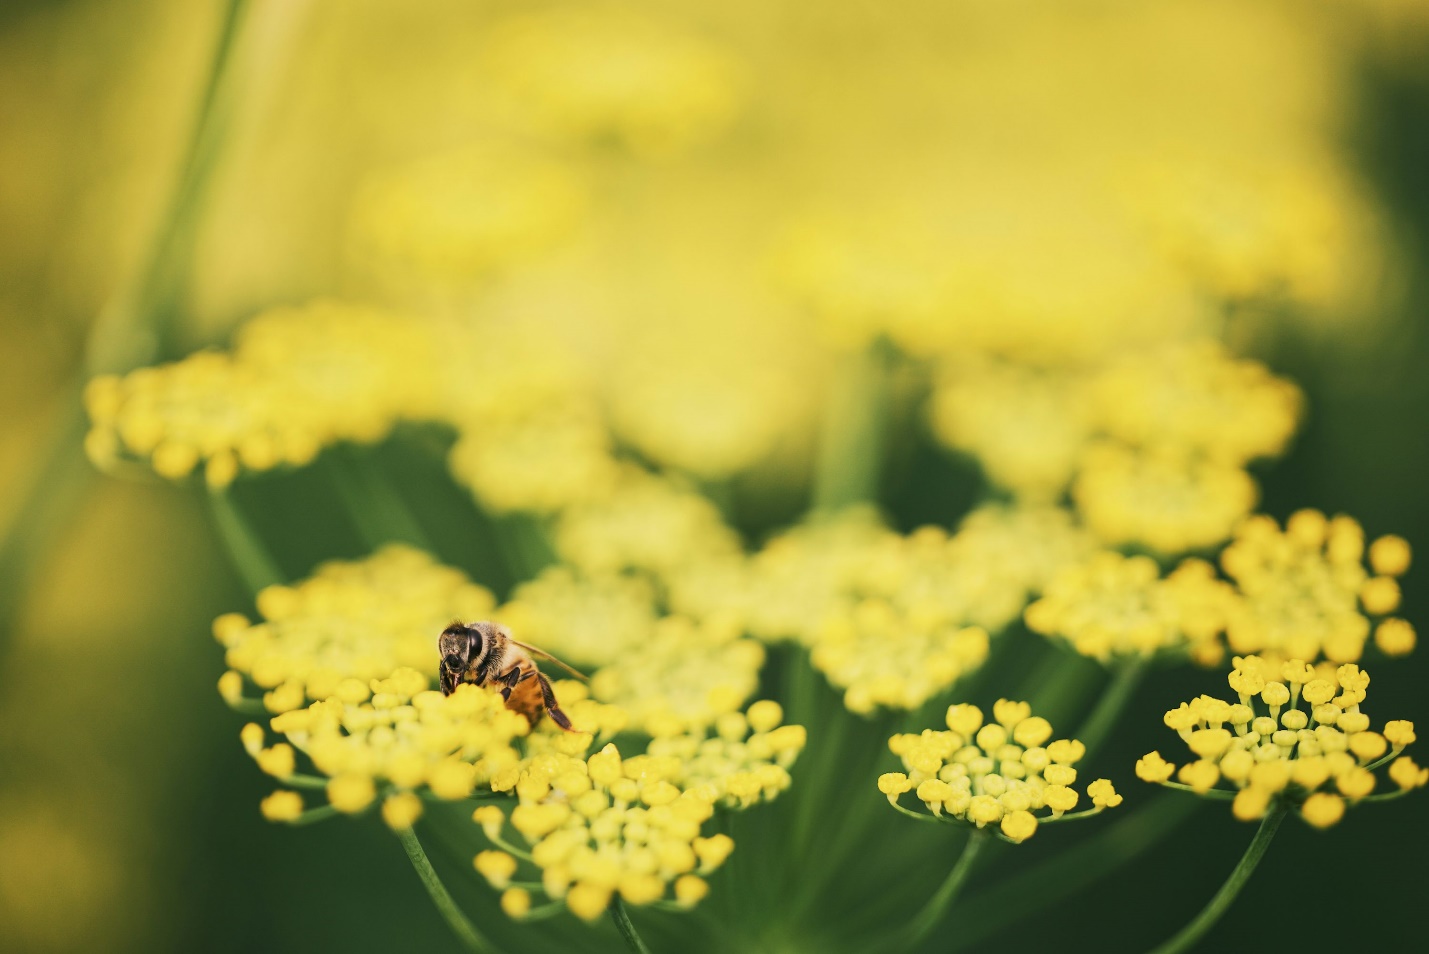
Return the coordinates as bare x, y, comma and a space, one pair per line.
349, 623
894, 619
603, 825
1295, 737
1115, 606
1306, 593
1006, 773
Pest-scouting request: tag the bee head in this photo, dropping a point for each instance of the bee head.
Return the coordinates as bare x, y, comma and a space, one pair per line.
463, 645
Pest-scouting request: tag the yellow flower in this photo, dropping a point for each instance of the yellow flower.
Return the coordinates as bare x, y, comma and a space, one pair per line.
1300, 590
1113, 605
645, 523
401, 810
587, 620
1161, 499
601, 73
350, 622
516, 903
1407, 775
282, 806
497, 867
1293, 736
433, 221
980, 774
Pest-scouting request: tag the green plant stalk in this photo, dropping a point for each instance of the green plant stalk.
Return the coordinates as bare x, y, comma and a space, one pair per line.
250, 557
1124, 682
852, 438
1187, 937
621, 917
932, 912
1073, 870
461, 926
129, 332
374, 504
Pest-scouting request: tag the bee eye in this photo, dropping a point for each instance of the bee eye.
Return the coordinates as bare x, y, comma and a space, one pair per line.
452, 661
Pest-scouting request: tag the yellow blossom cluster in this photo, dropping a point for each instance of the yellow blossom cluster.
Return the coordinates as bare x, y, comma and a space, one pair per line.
1115, 606
1293, 735
1002, 772
605, 74
1153, 442
350, 622
395, 737
684, 675
456, 217
297, 380
585, 619
646, 523
1305, 591
745, 761
1027, 427
604, 825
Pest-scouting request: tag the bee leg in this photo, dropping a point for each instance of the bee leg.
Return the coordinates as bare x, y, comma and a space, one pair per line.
447, 679
508, 682
548, 695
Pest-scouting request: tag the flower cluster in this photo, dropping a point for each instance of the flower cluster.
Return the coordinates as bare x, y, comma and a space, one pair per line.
1306, 593
1114, 606
603, 825
1295, 736
350, 622
1002, 772
1153, 444
603, 73
298, 380
456, 217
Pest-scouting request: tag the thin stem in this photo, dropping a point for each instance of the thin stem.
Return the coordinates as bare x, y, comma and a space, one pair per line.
925, 920
1220, 793
376, 507
1099, 723
1074, 869
1186, 938
462, 927
250, 556
314, 815
621, 917
852, 439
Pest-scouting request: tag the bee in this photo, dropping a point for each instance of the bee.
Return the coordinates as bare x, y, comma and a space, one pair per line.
486, 654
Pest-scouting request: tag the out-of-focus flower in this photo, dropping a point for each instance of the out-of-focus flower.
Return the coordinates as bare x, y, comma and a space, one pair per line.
540, 464
1000, 773
1166, 501
683, 675
1310, 745
457, 217
745, 761
1305, 592
349, 623
647, 524
1027, 427
1296, 229
1196, 399
298, 380
603, 73
1114, 606
587, 620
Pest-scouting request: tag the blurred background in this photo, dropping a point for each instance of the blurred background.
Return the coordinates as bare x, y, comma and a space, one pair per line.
1128, 161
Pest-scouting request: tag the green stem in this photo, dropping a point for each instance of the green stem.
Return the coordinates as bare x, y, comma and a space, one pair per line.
927, 919
1074, 869
250, 557
314, 815
621, 917
852, 439
1098, 725
1186, 938
462, 927
376, 507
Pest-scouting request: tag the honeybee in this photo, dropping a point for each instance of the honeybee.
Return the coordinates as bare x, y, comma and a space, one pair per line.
486, 654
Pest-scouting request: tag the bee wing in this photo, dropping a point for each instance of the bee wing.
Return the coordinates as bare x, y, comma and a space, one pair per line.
564, 665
